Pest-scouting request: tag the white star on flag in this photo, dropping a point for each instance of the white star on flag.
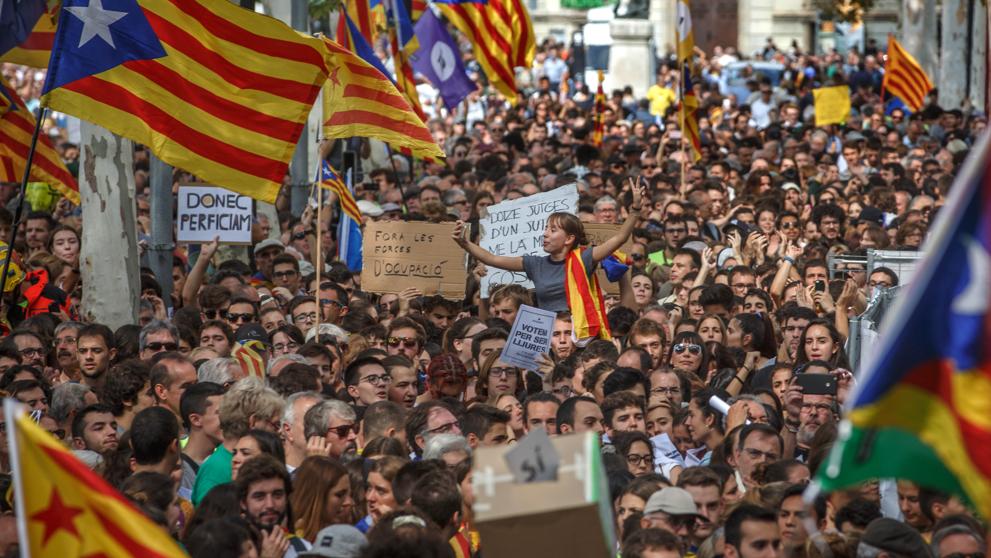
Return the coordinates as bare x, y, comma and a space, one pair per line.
96, 21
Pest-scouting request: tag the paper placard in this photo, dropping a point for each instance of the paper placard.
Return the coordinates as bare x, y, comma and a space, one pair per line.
516, 228
205, 212
401, 254
529, 337
597, 233
534, 458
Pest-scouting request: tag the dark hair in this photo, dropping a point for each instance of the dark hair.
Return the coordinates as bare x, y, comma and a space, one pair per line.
745, 512
268, 443
571, 225
763, 429
838, 359
859, 512
220, 537
486, 335
701, 399
643, 540
219, 502
79, 421
566, 412
152, 433
717, 295
124, 384
761, 332
152, 493
410, 474
258, 468
353, 371
617, 401
480, 417
541, 397
437, 495
96, 330
624, 379
194, 400
294, 378
623, 441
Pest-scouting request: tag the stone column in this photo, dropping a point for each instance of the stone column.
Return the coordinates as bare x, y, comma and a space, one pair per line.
630, 59
918, 34
952, 77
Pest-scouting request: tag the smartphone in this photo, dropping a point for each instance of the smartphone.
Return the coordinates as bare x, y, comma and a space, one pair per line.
817, 384
820, 286
675, 134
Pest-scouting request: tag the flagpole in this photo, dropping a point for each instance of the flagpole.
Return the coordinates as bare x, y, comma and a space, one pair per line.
319, 258
10, 418
399, 181
20, 203
681, 122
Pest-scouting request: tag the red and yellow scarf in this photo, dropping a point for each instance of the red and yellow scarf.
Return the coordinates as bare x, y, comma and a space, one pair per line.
588, 309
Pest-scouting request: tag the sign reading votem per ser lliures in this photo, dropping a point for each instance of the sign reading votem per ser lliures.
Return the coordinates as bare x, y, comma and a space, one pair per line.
398, 255
516, 228
206, 212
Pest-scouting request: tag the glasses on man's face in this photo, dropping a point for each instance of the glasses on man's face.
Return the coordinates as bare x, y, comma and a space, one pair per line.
235, 318
343, 430
328, 302
213, 314
283, 347
788, 225
666, 390
285, 274
31, 351
692, 348
882, 284
408, 342
64, 341
502, 371
638, 257
156, 346
309, 317
565, 391
444, 428
377, 380
635, 459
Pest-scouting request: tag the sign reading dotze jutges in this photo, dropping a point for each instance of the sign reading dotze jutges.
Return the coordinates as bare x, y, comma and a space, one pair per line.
205, 212
400, 254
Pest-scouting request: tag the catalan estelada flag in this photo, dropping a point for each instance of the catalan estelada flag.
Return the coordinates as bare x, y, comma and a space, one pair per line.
35, 48
922, 409
211, 88
248, 356
349, 236
17, 19
599, 129
360, 100
588, 309
688, 113
403, 43
502, 36
65, 509
331, 180
684, 30
904, 77
16, 127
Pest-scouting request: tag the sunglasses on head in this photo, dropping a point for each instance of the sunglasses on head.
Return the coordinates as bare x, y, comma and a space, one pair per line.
690, 347
408, 342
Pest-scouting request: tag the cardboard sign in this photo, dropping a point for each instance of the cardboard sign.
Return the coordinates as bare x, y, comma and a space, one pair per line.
399, 254
534, 458
597, 233
205, 212
568, 516
529, 337
516, 228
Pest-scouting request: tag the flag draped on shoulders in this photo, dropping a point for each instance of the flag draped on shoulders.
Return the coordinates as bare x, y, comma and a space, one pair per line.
922, 408
211, 88
16, 127
904, 77
65, 509
361, 100
588, 308
502, 36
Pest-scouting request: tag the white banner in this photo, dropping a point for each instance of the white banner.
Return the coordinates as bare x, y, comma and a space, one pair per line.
207, 211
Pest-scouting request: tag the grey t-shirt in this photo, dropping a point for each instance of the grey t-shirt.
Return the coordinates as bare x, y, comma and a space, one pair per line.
548, 279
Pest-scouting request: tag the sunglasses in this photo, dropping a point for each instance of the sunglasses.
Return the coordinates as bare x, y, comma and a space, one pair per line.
690, 347
789, 225
343, 430
214, 314
408, 342
156, 346
327, 301
240, 317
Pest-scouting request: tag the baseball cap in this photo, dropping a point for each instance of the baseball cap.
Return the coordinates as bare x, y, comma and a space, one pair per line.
791, 186
894, 536
672, 501
268, 243
338, 541
390, 206
872, 215
369, 208
251, 332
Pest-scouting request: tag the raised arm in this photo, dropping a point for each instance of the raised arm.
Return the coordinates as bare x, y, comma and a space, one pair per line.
195, 278
613, 243
481, 254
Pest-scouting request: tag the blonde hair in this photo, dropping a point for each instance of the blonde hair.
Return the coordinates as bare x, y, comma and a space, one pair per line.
248, 398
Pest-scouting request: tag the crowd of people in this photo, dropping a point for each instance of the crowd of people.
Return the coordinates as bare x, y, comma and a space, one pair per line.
744, 270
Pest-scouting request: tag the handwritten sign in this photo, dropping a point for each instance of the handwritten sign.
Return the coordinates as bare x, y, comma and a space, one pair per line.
205, 212
597, 233
529, 337
516, 228
399, 254
534, 458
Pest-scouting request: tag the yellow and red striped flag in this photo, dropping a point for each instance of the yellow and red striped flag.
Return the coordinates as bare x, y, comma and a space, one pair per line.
688, 114
16, 126
214, 89
360, 100
331, 180
904, 77
598, 132
588, 308
36, 49
502, 36
65, 509
403, 43
252, 363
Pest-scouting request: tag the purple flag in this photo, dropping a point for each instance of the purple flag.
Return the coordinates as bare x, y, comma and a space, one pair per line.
439, 59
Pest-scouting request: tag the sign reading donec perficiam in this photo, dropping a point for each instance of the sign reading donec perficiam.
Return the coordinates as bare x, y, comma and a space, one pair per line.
398, 255
516, 228
205, 212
